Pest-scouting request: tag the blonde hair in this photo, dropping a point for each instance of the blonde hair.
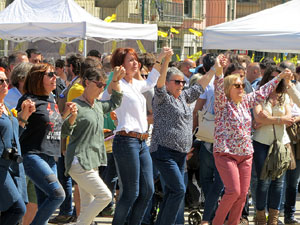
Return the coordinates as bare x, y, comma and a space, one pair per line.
228, 82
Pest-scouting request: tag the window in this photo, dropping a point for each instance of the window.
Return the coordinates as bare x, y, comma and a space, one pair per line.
188, 8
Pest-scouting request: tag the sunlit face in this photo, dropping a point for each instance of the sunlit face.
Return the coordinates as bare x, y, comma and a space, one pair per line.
236, 92
175, 85
49, 81
3, 85
131, 64
35, 58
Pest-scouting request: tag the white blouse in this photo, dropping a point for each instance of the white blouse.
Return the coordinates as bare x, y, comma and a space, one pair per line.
265, 134
132, 114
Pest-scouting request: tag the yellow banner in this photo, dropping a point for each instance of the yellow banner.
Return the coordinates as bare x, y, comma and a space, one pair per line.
196, 33
162, 34
178, 58
141, 46
173, 30
110, 18
261, 59
80, 46
19, 46
252, 58
62, 49
113, 46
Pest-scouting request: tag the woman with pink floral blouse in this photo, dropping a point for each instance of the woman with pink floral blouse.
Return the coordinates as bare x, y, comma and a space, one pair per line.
233, 148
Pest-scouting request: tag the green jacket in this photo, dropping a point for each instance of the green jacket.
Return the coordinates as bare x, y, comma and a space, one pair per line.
86, 134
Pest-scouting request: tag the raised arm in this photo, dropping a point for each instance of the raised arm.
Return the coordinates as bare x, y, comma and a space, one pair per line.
163, 71
118, 74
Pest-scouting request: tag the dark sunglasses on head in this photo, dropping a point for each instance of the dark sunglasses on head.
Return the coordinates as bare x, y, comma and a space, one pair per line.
99, 84
50, 74
239, 85
178, 82
2, 81
144, 76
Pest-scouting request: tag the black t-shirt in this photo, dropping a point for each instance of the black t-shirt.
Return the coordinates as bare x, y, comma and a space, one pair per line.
42, 133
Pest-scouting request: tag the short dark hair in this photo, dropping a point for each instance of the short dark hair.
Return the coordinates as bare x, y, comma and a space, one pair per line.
13, 57
60, 63
31, 51
34, 81
89, 62
75, 59
93, 74
94, 53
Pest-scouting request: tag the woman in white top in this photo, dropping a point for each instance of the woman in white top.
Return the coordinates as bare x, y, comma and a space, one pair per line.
275, 111
132, 157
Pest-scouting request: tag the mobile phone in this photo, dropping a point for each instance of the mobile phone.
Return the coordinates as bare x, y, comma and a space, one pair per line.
293, 81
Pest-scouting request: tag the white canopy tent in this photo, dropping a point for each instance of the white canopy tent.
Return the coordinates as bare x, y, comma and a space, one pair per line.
272, 30
64, 21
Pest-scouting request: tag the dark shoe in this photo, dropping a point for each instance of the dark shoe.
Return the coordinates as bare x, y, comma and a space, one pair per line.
291, 221
61, 219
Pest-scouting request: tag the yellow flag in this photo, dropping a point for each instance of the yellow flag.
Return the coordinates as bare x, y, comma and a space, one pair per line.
110, 18
196, 33
19, 46
294, 60
113, 46
80, 46
261, 59
173, 30
141, 46
177, 57
284, 58
252, 58
62, 49
162, 34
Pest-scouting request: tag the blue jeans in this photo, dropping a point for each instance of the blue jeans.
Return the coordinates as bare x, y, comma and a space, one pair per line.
134, 168
272, 189
66, 207
171, 166
110, 176
292, 180
41, 169
210, 181
14, 214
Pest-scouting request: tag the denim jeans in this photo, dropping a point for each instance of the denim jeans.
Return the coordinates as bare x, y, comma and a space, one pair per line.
210, 181
292, 180
66, 207
41, 169
135, 173
14, 214
271, 189
110, 176
171, 166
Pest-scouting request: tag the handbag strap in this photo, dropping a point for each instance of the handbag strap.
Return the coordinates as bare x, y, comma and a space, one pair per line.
210, 104
275, 138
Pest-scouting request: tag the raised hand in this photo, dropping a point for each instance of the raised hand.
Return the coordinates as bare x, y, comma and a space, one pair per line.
70, 108
286, 74
27, 108
119, 73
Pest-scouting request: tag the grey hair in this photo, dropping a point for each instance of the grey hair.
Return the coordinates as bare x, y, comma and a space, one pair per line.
173, 71
19, 73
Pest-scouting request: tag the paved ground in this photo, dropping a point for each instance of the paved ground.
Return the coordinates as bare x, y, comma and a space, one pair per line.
107, 221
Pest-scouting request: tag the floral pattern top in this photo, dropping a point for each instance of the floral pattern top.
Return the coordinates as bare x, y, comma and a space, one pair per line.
233, 121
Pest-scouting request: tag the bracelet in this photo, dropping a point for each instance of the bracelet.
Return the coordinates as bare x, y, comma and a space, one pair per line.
115, 81
158, 62
22, 120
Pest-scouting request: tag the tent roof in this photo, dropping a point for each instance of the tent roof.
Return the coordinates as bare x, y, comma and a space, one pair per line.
64, 20
273, 30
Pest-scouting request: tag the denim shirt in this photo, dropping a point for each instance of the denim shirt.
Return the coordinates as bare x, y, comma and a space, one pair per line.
10, 169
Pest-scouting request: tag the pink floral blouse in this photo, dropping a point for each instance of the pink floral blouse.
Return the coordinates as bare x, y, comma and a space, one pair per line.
233, 122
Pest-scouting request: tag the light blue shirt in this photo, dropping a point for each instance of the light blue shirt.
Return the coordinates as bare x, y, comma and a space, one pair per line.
12, 98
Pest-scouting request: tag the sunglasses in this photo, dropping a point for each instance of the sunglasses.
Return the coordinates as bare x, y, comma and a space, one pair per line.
99, 84
50, 74
144, 76
239, 85
178, 82
2, 81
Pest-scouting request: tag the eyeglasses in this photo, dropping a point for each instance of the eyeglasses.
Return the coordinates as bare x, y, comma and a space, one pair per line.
178, 82
50, 74
99, 84
2, 81
239, 85
144, 76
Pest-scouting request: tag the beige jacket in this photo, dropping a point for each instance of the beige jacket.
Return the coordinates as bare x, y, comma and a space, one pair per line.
294, 94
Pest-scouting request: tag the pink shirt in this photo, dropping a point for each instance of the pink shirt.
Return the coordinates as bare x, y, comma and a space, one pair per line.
233, 122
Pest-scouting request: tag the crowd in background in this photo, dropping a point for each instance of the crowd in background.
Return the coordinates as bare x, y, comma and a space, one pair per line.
99, 135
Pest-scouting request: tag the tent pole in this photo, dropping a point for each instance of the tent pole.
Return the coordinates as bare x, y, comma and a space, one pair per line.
84, 47
5, 47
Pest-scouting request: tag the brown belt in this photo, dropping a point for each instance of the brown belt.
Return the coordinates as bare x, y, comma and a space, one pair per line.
133, 134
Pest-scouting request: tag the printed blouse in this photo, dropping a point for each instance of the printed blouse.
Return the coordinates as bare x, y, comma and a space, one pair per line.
233, 121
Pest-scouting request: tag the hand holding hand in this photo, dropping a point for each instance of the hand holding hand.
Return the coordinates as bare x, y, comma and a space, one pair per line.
164, 52
286, 74
221, 61
27, 108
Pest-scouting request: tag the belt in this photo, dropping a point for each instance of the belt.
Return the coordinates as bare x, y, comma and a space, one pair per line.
133, 134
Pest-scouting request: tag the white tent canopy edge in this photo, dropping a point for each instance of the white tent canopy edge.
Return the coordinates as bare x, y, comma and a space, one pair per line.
272, 30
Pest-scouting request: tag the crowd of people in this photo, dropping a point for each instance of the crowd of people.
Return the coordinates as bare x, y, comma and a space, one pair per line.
91, 136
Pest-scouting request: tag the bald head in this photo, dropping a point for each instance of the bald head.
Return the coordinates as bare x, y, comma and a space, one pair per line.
186, 65
253, 72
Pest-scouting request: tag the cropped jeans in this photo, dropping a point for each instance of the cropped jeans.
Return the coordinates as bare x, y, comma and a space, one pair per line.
135, 173
170, 164
41, 169
269, 192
